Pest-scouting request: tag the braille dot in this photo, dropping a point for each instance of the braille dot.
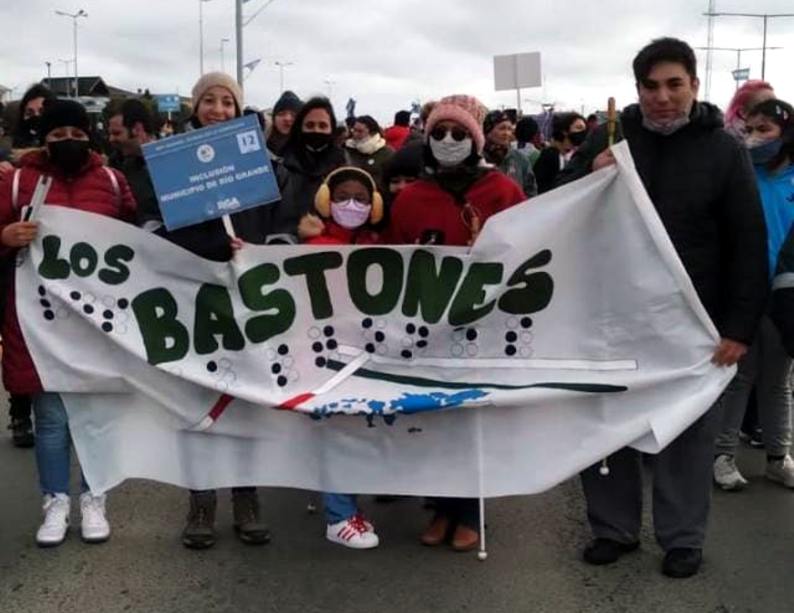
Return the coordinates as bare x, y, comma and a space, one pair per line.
275, 369
367, 323
108, 314
410, 328
471, 334
407, 354
49, 315
75, 296
421, 344
123, 303
424, 332
282, 381
510, 350
321, 362
332, 344
88, 309
317, 347
526, 322
380, 337
107, 326
511, 337
212, 366
42, 291
370, 348
45, 303
328, 330
283, 350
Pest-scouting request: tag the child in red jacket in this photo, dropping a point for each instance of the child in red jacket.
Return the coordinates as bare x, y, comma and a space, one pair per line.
349, 205
350, 208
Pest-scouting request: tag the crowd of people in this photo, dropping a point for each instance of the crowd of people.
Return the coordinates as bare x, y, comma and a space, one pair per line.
723, 188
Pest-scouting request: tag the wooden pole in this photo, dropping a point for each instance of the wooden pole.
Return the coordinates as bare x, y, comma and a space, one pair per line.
612, 120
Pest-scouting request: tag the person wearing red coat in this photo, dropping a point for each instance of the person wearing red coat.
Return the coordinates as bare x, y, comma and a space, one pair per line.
80, 181
449, 206
397, 134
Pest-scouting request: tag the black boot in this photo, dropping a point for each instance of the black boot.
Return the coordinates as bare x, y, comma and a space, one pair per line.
682, 562
606, 551
199, 533
247, 522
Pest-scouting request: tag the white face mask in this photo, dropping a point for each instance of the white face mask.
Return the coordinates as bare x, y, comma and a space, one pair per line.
350, 214
450, 152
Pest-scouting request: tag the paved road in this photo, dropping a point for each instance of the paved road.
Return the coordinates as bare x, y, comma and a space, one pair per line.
534, 545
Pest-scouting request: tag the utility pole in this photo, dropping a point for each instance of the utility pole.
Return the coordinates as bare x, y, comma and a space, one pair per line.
709, 45
765, 17
49, 75
238, 26
223, 64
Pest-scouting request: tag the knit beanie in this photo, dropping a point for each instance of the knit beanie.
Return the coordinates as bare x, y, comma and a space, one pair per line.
219, 79
62, 113
493, 119
288, 102
466, 110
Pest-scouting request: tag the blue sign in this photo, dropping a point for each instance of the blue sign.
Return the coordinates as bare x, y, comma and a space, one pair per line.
211, 172
169, 103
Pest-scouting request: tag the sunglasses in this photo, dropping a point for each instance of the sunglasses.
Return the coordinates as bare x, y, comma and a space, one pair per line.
458, 134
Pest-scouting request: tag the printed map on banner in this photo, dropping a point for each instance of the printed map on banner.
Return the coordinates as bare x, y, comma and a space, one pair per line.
569, 331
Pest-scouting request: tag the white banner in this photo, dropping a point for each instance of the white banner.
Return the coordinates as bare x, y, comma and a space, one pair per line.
569, 331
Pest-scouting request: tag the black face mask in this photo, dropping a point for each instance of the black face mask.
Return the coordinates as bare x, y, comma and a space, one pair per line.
317, 141
30, 127
69, 155
577, 138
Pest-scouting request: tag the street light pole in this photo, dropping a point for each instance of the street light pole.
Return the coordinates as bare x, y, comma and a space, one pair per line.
49, 74
74, 17
201, 36
223, 63
766, 17
66, 74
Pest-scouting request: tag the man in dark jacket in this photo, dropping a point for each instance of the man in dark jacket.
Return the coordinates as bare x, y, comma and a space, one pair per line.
702, 185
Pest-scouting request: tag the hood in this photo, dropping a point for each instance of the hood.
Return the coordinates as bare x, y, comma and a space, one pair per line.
704, 115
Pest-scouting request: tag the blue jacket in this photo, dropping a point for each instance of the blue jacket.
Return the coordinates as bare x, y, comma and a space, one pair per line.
777, 198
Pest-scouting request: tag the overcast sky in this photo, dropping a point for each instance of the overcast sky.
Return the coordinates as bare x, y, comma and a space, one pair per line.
386, 53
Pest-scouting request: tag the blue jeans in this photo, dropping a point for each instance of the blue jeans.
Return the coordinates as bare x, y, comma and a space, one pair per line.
339, 507
53, 444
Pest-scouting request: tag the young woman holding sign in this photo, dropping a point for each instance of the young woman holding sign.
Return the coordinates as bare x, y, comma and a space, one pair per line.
79, 180
217, 98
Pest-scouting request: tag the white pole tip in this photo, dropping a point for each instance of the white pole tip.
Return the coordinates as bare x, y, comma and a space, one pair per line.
482, 556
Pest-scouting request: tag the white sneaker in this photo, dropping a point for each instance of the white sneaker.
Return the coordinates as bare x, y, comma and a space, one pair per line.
56, 521
94, 527
781, 471
726, 475
355, 532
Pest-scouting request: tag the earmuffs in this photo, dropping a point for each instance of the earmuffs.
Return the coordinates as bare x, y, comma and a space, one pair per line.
322, 200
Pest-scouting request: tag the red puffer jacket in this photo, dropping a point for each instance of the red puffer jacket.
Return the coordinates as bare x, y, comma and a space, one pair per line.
424, 213
92, 190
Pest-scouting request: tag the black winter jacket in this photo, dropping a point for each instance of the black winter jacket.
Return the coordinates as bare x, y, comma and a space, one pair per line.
701, 182
300, 175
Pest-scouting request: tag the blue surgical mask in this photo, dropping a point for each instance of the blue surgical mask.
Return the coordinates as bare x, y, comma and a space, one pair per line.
766, 151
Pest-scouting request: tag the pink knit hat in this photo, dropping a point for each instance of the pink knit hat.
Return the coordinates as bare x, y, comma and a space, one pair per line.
466, 110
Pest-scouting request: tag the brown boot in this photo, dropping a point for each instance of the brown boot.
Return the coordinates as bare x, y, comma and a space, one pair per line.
245, 508
465, 538
436, 532
199, 533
